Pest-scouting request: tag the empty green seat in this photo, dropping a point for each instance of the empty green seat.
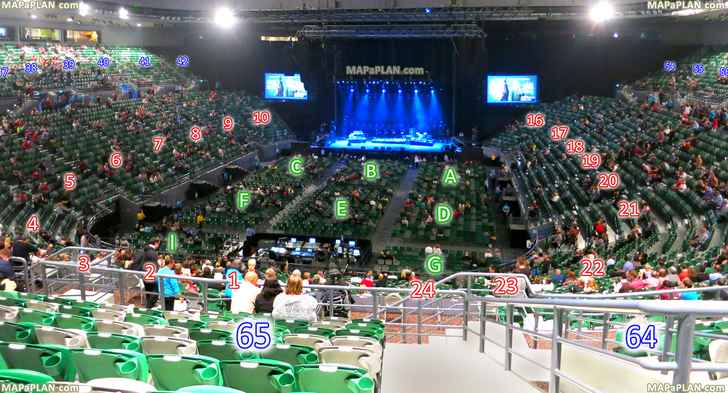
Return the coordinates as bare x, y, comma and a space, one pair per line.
209, 334
114, 341
24, 377
222, 350
17, 332
259, 375
53, 360
110, 363
172, 372
331, 378
68, 321
292, 354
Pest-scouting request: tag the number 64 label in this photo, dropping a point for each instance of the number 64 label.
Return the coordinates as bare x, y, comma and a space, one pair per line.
253, 335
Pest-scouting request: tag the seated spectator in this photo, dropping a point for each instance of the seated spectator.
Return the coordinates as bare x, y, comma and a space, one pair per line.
271, 289
293, 304
244, 297
691, 295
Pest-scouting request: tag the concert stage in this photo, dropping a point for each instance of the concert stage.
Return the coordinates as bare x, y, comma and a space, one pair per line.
394, 145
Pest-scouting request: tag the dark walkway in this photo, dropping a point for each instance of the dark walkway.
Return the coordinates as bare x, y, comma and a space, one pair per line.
383, 234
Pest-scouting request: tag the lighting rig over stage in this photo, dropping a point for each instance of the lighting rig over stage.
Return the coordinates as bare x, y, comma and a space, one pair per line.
468, 30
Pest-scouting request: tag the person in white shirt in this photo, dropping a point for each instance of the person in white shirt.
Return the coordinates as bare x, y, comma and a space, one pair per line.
243, 298
294, 304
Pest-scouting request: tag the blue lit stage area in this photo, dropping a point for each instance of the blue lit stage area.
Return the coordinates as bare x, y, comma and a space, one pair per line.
391, 116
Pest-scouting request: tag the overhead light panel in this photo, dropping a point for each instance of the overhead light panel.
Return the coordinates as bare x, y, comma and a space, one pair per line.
224, 17
123, 13
84, 9
601, 12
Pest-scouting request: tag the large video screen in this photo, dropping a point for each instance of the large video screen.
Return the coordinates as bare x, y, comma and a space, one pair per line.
512, 89
284, 87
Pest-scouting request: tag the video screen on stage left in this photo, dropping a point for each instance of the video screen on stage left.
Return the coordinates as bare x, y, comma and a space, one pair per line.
512, 89
284, 87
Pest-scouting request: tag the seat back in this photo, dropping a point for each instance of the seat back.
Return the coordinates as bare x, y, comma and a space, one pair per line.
24, 377
126, 328
166, 331
351, 356
159, 345
110, 363
52, 360
210, 334
308, 340
292, 354
8, 313
114, 341
172, 372
331, 378
18, 332
68, 338
259, 375
223, 350
109, 314
359, 341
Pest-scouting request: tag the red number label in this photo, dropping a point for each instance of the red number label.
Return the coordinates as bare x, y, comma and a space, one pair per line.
69, 181
116, 160
261, 118
233, 280
195, 134
593, 267
591, 161
427, 288
575, 146
228, 123
535, 120
505, 286
84, 263
628, 209
150, 271
32, 224
158, 143
608, 180
559, 133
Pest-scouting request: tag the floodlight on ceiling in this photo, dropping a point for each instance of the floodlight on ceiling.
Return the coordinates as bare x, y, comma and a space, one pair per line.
123, 13
84, 9
224, 17
601, 12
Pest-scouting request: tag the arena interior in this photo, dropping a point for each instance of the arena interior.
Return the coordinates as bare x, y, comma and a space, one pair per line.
355, 196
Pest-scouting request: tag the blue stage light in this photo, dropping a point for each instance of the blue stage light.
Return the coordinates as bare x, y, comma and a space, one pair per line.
399, 91
432, 90
367, 90
428, 10
384, 91
416, 91
351, 90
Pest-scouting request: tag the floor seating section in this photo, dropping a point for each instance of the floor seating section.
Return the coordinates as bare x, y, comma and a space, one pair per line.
367, 201
474, 222
188, 352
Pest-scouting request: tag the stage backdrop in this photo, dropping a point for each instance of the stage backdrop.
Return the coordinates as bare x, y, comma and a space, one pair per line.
569, 57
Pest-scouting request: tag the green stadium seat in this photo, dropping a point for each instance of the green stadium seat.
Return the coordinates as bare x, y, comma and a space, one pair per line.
171, 372
110, 363
331, 378
53, 360
259, 375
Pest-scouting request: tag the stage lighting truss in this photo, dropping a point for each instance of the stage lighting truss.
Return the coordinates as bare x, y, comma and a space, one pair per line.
392, 31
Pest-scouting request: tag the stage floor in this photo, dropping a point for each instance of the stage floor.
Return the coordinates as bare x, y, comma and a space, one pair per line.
343, 144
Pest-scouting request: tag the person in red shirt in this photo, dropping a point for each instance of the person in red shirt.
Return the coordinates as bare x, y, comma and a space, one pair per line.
368, 280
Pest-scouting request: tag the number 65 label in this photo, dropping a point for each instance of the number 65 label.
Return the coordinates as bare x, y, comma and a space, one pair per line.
253, 335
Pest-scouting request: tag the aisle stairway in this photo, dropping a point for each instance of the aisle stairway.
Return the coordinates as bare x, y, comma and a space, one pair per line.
268, 226
383, 235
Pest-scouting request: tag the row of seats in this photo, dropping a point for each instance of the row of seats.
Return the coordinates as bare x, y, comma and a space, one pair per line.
70, 341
